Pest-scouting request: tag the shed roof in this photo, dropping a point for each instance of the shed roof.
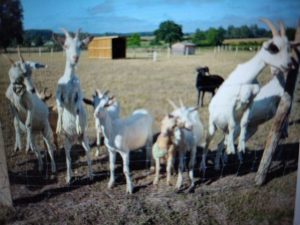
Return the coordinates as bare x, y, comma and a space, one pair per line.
185, 43
106, 37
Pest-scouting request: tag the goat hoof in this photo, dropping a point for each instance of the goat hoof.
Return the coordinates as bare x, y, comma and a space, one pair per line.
110, 185
191, 189
53, 176
69, 181
91, 176
169, 183
152, 169
129, 190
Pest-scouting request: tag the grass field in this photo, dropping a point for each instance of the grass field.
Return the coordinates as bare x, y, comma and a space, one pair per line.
138, 82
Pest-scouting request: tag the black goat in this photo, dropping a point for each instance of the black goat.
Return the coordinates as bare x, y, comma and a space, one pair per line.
206, 82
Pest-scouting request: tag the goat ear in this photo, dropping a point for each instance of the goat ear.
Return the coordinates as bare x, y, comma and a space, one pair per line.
106, 92
88, 101
87, 40
194, 109
36, 65
112, 99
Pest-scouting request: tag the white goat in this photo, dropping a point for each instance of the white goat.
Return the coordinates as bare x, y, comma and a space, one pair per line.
173, 138
189, 118
113, 110
29, 111
263, 107
72, 118
223, 113
124, 135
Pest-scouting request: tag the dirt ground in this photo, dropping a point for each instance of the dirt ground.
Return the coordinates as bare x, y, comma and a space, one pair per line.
220, 197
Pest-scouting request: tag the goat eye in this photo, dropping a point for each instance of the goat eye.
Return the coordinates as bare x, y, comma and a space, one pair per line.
273, 49
66, 46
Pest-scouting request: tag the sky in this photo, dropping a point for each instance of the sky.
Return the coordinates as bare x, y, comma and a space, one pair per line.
122, 16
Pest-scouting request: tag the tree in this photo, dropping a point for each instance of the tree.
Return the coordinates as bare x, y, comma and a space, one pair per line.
169, 32
214, 36
199, 37
134, 40
11, 22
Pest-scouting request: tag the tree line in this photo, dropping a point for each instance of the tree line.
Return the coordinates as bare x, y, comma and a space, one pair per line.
168, 32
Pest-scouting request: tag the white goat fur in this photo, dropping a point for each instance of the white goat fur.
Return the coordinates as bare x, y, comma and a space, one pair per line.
72, 118
124, 135
262, 109
222, 108
113, 110
29, 111
189, 118
174, 138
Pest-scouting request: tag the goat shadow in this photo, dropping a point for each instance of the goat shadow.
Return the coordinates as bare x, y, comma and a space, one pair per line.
34, 180
284, 161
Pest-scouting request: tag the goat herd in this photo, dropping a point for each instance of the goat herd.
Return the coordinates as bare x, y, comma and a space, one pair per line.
239, 106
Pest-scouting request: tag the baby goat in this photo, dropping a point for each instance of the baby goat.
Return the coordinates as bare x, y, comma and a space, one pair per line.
124, 135
190, 117
206, 82
173, 138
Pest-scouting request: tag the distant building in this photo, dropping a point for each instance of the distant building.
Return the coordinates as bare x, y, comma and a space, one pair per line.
110, 47
183, 48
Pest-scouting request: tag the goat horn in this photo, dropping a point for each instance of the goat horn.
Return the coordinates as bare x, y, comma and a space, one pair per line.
106, 92
181, 103
20, 56
173, 104
282, 28
65, 32
271, 26
9, 59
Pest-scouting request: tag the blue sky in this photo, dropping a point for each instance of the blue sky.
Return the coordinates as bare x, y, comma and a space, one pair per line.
99, 16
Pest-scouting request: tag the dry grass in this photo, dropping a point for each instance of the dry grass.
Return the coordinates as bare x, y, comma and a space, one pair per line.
140, 83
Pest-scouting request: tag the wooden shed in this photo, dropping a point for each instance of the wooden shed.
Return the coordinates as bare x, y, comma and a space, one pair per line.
183, 48
110, 47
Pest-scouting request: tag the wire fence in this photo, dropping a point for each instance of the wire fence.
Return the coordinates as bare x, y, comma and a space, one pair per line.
283, 164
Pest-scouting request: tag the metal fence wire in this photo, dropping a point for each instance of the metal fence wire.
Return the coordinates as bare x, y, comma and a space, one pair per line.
285, 160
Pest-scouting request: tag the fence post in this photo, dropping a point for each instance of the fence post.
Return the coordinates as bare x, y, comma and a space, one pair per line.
5, 194
154, 56
236, 50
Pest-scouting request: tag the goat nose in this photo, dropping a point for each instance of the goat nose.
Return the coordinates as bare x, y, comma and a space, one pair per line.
33, 91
